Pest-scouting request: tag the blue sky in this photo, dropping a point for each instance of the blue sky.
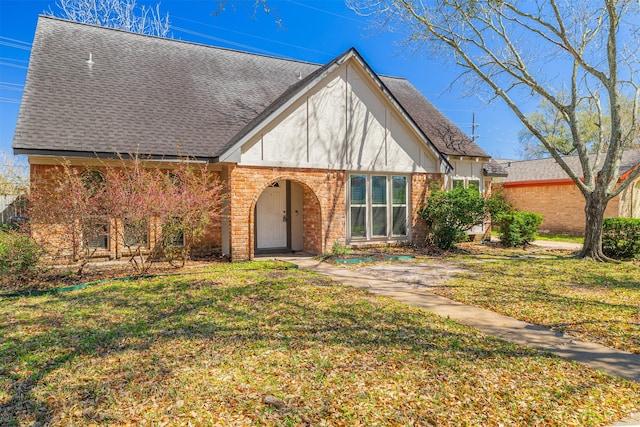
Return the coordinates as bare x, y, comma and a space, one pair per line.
312, 30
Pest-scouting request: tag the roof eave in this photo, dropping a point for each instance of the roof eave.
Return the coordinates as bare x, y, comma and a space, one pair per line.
109, 155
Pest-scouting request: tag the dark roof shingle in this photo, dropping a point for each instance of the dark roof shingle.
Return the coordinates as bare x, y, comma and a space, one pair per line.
163, 97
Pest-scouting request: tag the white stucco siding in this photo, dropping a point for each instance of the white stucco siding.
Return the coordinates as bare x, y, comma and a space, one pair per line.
404, 152
286, 140
344, 122
327, 120
367, 126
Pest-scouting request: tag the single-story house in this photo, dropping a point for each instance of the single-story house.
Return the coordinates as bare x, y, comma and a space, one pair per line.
542, 186
310, 154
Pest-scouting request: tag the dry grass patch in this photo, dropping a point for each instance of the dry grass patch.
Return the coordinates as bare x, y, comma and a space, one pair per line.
236, 345
596, 302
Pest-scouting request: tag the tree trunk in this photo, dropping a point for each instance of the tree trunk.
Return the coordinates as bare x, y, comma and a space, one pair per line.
596, 203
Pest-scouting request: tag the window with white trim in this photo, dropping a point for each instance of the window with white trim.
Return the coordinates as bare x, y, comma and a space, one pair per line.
465, 183
378, 207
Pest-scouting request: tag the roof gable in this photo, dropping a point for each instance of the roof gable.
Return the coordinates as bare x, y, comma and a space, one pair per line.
340, 121
232, 151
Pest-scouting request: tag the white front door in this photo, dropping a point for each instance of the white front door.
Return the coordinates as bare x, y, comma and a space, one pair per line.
271, 217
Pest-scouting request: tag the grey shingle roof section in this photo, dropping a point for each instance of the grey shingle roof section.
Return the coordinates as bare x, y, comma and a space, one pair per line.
548, 170
164, 97
493, 168
445, 135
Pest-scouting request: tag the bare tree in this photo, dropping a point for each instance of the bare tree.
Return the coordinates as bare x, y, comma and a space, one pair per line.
14, 185
551, 123
120, 14
14, 174
571, 54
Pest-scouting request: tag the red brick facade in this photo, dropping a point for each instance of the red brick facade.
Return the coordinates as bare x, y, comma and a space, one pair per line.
560, 204
63, 246
421, 187
324, 207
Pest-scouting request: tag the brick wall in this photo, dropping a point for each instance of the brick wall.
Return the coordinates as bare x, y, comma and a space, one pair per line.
59, 240
561, 205
421, 184
323, 198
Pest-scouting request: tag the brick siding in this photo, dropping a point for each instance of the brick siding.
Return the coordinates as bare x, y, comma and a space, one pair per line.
324, 204
561, 206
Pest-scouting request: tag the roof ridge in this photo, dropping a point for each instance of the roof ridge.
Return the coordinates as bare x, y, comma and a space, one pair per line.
169, 40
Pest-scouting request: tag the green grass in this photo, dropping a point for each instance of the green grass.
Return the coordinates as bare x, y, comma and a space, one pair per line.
560, 238
597, 302
205, 349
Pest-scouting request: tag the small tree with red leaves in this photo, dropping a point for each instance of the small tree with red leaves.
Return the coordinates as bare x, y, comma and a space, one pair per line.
66, 212
153, 212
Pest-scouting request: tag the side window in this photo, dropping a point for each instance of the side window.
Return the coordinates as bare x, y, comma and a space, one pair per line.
358, 205
97, 232
399, 205
458, 183
474, 184
96, 229
136, 233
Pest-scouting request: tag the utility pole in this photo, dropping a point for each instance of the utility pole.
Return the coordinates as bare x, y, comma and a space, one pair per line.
473, 127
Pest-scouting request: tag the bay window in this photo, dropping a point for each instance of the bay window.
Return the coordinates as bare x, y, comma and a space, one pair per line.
377, 207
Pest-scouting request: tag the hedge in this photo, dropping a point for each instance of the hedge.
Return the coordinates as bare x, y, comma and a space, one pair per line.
518, 228
621, 238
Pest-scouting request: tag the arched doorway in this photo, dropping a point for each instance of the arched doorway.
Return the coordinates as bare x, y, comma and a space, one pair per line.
287, 219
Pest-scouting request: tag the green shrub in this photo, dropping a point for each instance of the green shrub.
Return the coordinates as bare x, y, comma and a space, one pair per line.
497, 205
340, 250
518, 228
19, 256
449, 214
621, 237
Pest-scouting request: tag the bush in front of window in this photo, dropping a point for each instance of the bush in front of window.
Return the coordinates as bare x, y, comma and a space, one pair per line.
518, 228
449, 214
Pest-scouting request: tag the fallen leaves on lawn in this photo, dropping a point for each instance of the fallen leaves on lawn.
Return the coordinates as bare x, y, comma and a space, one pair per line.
251, 344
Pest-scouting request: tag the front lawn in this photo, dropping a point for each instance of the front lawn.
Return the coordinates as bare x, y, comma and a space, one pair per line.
209, 348
560, 238
595, 302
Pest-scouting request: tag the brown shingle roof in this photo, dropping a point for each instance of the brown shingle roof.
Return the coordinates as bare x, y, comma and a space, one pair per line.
165, 97
548, 170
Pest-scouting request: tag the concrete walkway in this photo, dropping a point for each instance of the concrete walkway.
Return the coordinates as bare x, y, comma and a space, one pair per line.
609, 360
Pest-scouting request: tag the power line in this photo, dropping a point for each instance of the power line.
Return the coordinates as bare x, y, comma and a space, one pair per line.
9, 100
8, 64
253, 36
324, 11
2, 87
15, 40
221, 40
17, 46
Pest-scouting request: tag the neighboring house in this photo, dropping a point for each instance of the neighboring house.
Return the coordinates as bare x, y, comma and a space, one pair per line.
311, 155
541, 186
